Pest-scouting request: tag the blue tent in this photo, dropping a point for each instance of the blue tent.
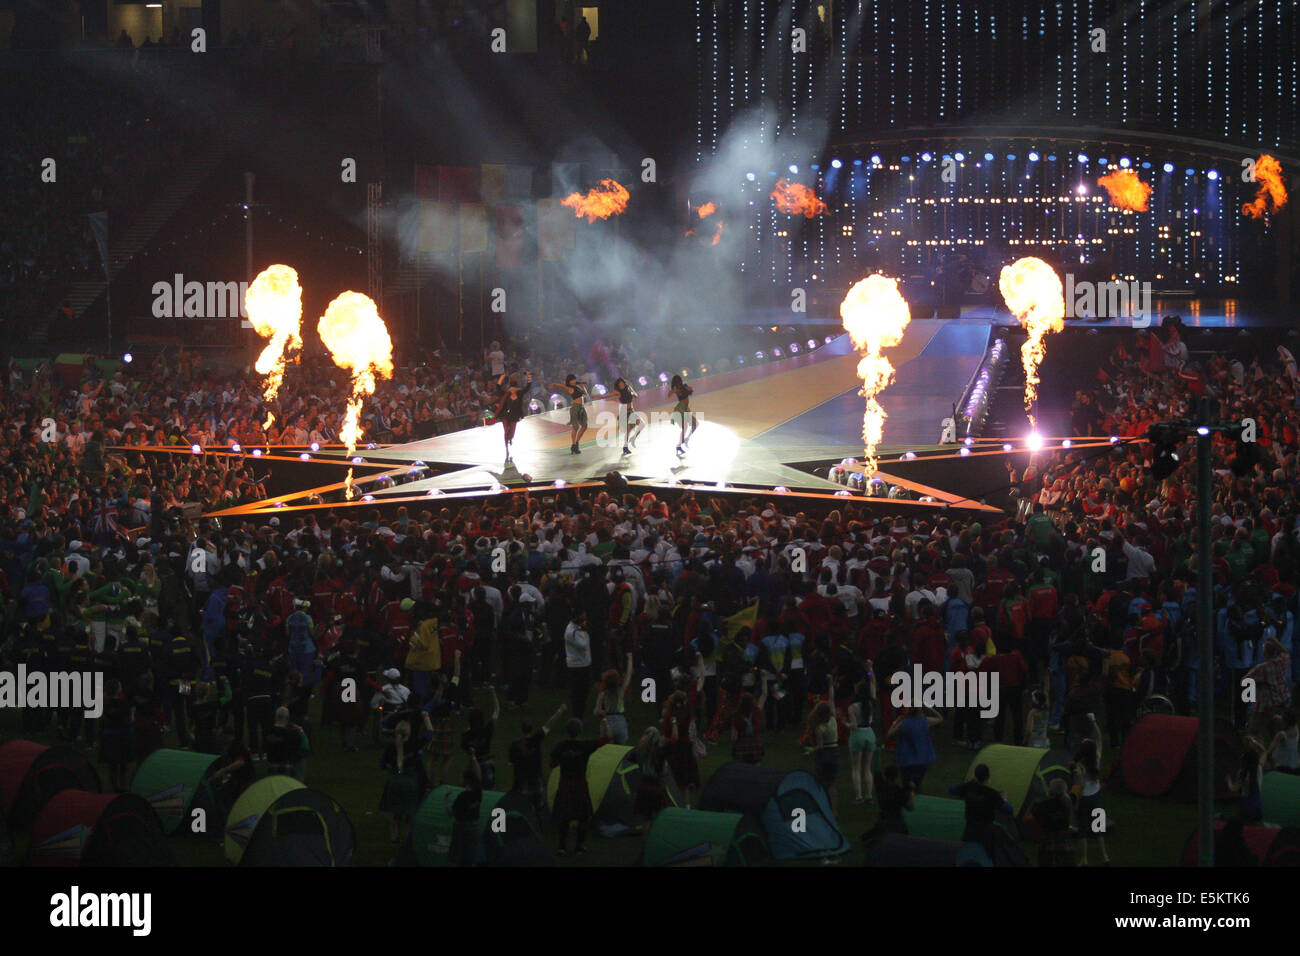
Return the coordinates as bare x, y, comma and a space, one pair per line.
769, 798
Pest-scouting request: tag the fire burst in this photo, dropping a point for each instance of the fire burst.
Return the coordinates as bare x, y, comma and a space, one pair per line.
1271, 195
607, 199
876, 315
1034, 294
358, 342
797, 199
274, 305
1126, 191
707, 210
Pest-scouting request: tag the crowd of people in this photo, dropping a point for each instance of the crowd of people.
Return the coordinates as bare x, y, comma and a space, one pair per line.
754, 621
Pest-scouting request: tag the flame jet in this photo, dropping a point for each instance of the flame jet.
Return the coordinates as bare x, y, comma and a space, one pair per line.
1034, 294
876, 315
274, 306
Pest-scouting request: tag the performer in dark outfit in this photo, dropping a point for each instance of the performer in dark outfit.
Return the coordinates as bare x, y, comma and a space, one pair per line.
683, 409
510, 407
626, 396
577, 411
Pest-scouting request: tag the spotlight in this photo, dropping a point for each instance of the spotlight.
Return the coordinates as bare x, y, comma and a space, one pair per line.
963, 451
968, 441
1006, 446
278, 504
663, 377
1011, 156
1081, 189
760, 355
781, 490
1034, 441
1033, 157
1125, 162
960, 157
1212, 174
1082, 158
196, 449
1203, 431
1114, 439
842, 493
906, 159
257, 453
358, 460
128, 358
370, 446
828, 340
315, 446
535, 406
794, 347
750, 176
599, 390
988, 157
1189, 172
794, 169
235, 448
776, 352
875, 160
720, 486
812, 343
304, 457
1051, 158
643, 381
418, 466
1102, 161
367, 497
909, 456
1067, 444
1168, 167
836, 164
559, 482
926, 157
435, 492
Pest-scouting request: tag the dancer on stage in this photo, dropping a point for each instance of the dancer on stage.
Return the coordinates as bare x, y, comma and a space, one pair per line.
577, 411
509, 407
626, 396
683, 409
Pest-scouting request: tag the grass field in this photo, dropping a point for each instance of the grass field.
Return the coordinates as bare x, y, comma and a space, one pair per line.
1146, 832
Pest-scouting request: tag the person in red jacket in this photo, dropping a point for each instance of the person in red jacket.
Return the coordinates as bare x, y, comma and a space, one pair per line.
1013, 673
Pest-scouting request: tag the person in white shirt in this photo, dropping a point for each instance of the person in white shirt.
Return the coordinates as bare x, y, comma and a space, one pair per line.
577, 659
1140, 562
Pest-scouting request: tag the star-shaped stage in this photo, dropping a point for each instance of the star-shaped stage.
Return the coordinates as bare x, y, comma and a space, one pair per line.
775, 428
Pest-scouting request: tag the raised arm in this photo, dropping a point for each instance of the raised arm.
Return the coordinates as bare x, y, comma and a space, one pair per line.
546, 727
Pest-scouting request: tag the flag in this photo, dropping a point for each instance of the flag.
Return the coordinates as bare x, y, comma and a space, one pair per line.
509, 223
99, 229
748, 618
554, 229
492, 182
437, 230
519, 182
473, 227
458, 183
105, 518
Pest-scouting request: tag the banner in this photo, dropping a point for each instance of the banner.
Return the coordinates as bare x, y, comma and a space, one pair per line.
510, 230
473, 227
492, 183
555, 229
437, 229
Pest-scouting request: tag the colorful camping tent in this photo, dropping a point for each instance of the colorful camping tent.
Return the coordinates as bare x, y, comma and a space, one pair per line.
769, 797
613, 780
77, 828
680, 837
31, 773
897, 849
1281, 795
511, 838
1272, 846
1023, 774
175, 782
280, 822
1159, 757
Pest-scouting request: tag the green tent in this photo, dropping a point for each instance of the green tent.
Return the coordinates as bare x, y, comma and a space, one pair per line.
1281, 796
510, 838
176, 782
612, 781
248, 810
936, 818
1023, 774
681, 837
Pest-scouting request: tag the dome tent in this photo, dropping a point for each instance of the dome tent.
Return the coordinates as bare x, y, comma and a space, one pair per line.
1023, 774
613, 780
77, 828
681, 837
280, 822
768, 797
176, 782
521, 843
1159, 757
31, 773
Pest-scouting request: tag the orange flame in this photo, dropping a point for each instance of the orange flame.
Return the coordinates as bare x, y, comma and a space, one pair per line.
1271, 194
875, 314
797, 199
357, 338
1034, 294
274, 306
707, 210
1126, 191
607, 199
717, 236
